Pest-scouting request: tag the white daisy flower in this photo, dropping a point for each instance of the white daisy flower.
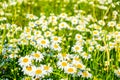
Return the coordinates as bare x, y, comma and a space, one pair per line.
63, 15
62, 64
78, 37
63, 25
28, 70
77, 48
39, 72
74, 21
37, 56
63, 56
56, 39
43, 43
27, 30
47, 69
31, 17
118, 26
117, 72
25, 61
79, 65
55, 46
48, 34
86, 74
86, 55
52, 19
96, 33
70, 70
112, 23
32, 24
101, 22
91, 48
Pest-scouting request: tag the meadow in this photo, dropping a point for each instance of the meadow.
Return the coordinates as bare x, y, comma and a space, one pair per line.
59, 40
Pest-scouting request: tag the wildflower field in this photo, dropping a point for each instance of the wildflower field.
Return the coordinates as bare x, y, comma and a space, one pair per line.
59, 39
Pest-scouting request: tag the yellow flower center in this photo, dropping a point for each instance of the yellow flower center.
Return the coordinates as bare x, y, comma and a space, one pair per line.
46, 67
27, 30
36, 55
70, 70
62, 24
79, 66
25, 60
94, 32
47, 33
29, 68
85, 74
55, 46
77, 59
64, 64
77, 48
31, 16
43, 42
55, 38
38, 71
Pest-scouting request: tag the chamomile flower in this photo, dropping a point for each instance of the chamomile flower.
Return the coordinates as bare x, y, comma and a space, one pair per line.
29, 37
63, 56
101, 22
62, 64
63, 15
74, 21
80, 42
78, 37
28, 70
32, 42
37, 22
37, 33
25, 61
83, 23
70, 70
56, 39
63, 25
27, 30
90, 49
80, 28
86, 55
111, 45
43, 42
118, 26
31, 16
77, 48
37, 56
96, 33
76, 59
48, 34
32, 24
117, 39
52, 19
13, 55
24, 41
117, 72
47, 69
55, 46
86, 74
79, 65
112, 23
39, 72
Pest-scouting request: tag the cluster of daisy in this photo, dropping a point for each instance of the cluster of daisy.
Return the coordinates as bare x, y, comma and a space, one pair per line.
62, 41
72, 64
31, 65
